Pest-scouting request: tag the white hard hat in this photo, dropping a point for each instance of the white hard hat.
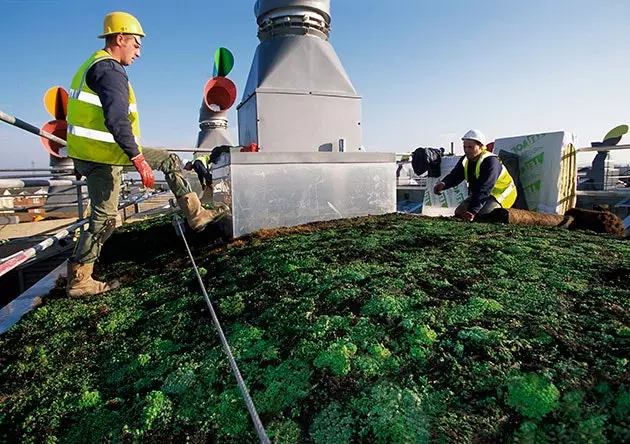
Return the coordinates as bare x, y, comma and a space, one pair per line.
475, 135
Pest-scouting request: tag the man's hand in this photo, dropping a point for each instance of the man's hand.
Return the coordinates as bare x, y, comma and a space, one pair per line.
467, 216
437, 189
146, 172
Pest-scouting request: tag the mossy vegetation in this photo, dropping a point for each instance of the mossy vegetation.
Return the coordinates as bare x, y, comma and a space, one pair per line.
391, 329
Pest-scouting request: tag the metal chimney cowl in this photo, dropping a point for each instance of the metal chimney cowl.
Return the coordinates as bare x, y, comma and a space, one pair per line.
265, 9
298, 97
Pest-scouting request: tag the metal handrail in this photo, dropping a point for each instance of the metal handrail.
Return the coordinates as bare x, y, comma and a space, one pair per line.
11, 262
591, 149
43, 196
37, 170
185, 150
31, 176
26, 183
22, 209
19, 123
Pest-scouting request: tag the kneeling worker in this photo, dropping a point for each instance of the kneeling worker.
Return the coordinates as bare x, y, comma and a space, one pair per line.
103, 140
490, 186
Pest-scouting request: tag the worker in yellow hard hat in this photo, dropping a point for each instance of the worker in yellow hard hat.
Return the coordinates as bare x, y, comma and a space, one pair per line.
121, 23
104, 140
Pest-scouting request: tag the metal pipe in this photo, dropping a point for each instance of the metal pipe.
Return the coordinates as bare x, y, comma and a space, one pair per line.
24, 183
45, 205
592, 149
604, 193
19, 258
28, 170
12, 120
26, 209
186, 150
44, 196
28, 176
10, 262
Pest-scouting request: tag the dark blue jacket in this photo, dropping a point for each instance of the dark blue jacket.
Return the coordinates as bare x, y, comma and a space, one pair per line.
478, 189
109, 80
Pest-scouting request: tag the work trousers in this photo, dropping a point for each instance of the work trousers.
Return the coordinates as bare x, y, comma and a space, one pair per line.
103, 183
490, 205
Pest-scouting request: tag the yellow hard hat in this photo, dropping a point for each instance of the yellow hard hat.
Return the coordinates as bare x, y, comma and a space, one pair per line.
121, 23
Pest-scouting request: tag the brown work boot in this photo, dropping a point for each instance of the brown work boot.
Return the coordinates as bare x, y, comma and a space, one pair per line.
80, 282
196, 215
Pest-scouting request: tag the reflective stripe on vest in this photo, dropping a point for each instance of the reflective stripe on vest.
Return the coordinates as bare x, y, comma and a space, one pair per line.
504, 190
101, 136
93, 99
88, 137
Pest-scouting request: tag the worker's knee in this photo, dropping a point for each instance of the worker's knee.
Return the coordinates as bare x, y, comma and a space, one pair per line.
173, 163
103, 232
461, 208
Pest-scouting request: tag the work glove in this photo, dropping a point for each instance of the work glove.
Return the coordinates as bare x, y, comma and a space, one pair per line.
437, 189
146, 172
467, 216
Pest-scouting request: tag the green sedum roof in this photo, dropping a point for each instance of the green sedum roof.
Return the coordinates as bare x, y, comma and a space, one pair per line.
395, 329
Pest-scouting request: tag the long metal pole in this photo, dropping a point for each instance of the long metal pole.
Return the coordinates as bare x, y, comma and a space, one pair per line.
29, 176
38, 170
12, 120
593, 149
19, 258
24, 183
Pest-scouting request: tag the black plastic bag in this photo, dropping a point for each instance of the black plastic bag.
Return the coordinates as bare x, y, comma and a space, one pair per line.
427, 160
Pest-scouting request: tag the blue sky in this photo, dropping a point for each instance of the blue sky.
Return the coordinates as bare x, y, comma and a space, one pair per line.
427, 70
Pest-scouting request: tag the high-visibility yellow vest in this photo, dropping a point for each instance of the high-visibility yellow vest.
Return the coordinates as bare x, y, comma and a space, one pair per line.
504, 190
203, 158
88, 137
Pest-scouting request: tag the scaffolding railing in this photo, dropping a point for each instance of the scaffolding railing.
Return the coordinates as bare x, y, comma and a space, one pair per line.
414, 181
13, 261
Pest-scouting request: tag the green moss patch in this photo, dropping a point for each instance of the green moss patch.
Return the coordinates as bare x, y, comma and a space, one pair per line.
391, 329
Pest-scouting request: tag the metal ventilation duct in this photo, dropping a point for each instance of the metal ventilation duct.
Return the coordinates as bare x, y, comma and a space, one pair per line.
213, 128
298, 97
